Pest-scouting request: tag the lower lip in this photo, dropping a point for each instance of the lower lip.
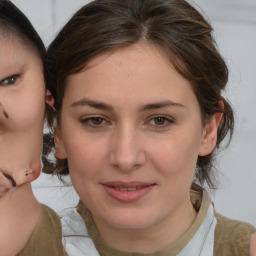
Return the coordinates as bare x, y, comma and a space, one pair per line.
127, 196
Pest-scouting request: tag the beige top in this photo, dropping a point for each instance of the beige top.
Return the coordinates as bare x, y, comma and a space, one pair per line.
231, 238
46, 239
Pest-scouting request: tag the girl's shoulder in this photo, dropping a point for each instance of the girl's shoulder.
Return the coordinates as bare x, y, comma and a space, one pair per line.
47, 236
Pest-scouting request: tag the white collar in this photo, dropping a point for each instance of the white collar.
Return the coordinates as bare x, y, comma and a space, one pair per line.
203, 241
77, 242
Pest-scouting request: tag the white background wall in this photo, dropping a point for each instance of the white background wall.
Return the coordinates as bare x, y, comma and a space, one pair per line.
234, 22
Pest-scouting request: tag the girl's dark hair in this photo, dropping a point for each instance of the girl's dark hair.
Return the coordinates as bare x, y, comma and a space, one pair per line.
174, 26
14, 23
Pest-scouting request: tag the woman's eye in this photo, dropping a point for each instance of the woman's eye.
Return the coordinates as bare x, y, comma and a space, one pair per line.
160, 121
11, 80
96, 121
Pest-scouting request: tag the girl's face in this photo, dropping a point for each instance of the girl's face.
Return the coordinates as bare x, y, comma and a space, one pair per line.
131, 130
22, 102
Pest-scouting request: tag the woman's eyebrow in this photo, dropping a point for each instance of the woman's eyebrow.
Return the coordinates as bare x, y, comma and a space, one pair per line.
161, 104
93, 104
147, 107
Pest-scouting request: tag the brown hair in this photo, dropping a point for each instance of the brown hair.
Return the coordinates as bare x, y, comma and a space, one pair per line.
174, 25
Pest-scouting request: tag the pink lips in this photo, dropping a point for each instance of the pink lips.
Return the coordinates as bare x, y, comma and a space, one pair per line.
127, 192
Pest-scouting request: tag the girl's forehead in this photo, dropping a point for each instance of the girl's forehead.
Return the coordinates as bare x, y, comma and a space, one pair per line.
17, 53
12, 38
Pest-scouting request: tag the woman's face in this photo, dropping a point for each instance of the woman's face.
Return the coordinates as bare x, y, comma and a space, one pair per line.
131, 130
22, 103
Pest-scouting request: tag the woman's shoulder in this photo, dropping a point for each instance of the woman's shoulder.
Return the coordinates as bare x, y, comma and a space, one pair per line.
47, 236
231, 237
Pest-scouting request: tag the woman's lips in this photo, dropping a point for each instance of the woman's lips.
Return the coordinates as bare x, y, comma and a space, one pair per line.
127, 192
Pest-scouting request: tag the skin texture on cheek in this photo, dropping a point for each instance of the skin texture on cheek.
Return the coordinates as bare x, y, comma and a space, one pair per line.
17, 164
22, 103
20, 156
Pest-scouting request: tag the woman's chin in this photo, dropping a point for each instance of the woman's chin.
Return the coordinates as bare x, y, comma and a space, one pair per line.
129, 221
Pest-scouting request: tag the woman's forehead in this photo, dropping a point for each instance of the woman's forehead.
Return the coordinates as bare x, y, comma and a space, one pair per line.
137, 72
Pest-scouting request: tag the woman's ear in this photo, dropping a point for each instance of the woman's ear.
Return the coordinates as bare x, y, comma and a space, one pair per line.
49, 99
59, 146
209, 137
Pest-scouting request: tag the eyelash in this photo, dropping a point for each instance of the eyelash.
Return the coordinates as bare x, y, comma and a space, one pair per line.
10, 81
167, 122
88, 121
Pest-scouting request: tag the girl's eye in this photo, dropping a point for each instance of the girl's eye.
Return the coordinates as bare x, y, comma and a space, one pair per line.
11, 80
160, 121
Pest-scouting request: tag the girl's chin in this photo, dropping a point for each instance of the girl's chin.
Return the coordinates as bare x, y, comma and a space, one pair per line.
26, 173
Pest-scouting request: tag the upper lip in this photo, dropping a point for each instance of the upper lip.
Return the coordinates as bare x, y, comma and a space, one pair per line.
131, 184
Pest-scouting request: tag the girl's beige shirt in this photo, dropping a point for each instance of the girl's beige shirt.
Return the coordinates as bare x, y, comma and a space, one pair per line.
46, 240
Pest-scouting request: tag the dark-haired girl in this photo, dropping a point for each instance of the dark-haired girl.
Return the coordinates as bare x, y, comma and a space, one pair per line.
26, 227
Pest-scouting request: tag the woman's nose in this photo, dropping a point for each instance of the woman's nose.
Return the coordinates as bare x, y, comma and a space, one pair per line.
126, 150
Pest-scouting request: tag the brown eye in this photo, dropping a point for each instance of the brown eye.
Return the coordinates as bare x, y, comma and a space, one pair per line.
94, 122
97, 120
160, 120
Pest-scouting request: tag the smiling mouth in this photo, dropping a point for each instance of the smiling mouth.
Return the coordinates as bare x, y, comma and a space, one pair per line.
127, 192
127, 189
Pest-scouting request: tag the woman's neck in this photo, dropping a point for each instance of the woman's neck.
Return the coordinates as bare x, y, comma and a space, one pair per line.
152, 239
19, 215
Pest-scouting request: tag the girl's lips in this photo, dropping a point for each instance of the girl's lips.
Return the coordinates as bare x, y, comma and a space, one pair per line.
127, 192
